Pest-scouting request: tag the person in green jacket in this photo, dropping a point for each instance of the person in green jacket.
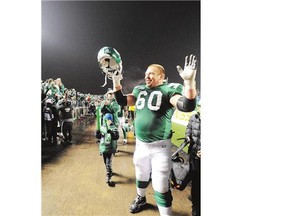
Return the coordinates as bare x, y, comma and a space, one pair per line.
108, 143
110, 105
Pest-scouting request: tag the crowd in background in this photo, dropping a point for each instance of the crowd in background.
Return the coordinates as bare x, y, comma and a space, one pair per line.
55, 96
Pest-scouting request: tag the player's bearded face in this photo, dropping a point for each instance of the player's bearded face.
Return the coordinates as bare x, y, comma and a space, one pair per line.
153, 77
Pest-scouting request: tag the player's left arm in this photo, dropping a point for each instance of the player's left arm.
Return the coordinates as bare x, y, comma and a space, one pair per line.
187, 101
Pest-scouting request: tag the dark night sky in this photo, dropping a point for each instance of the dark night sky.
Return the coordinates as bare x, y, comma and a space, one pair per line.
161, 32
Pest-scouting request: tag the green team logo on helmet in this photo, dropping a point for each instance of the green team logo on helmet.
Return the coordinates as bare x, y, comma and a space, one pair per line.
112, 52
110, 62
108, 53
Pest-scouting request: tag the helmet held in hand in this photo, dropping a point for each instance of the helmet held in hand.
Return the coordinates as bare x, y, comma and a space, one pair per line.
109, 61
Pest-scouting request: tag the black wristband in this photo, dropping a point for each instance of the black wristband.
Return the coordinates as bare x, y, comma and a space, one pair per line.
121, 99
186, 105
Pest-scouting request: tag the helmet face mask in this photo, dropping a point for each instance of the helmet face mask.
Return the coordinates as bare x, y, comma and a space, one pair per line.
109, 61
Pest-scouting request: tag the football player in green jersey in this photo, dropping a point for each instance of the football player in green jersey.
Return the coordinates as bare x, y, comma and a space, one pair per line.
110, 105
154, 104
108, 144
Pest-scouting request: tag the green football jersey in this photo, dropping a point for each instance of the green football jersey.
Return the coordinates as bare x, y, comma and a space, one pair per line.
154, 111
107, 144
113, 107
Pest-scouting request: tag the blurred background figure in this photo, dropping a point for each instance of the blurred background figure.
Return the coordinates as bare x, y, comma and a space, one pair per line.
51, 118
108, 144
66, 116
193, 135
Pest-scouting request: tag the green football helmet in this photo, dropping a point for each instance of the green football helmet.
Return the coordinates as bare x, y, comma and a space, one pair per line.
109, 61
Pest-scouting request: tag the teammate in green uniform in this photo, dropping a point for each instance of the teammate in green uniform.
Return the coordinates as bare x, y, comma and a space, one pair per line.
108, 143
154, 106
110, 105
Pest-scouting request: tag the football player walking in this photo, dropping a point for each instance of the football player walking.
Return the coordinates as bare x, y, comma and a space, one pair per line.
154, 105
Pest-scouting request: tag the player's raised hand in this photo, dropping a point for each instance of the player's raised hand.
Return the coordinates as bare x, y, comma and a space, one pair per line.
189, 72
116, 76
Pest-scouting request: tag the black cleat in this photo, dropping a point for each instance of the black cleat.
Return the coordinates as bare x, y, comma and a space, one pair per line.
137, 204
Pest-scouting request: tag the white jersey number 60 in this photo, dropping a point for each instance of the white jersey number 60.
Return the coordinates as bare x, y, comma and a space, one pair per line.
140, 103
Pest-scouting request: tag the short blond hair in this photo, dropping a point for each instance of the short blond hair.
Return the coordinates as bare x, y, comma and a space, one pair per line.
160, 67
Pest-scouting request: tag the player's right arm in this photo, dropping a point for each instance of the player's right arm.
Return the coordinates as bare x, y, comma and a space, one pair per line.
123, 100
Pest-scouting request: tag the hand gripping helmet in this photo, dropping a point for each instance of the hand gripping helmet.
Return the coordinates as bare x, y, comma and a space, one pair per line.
109, 61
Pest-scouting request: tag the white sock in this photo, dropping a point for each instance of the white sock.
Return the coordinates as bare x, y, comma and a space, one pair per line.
165, 211
141, 192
